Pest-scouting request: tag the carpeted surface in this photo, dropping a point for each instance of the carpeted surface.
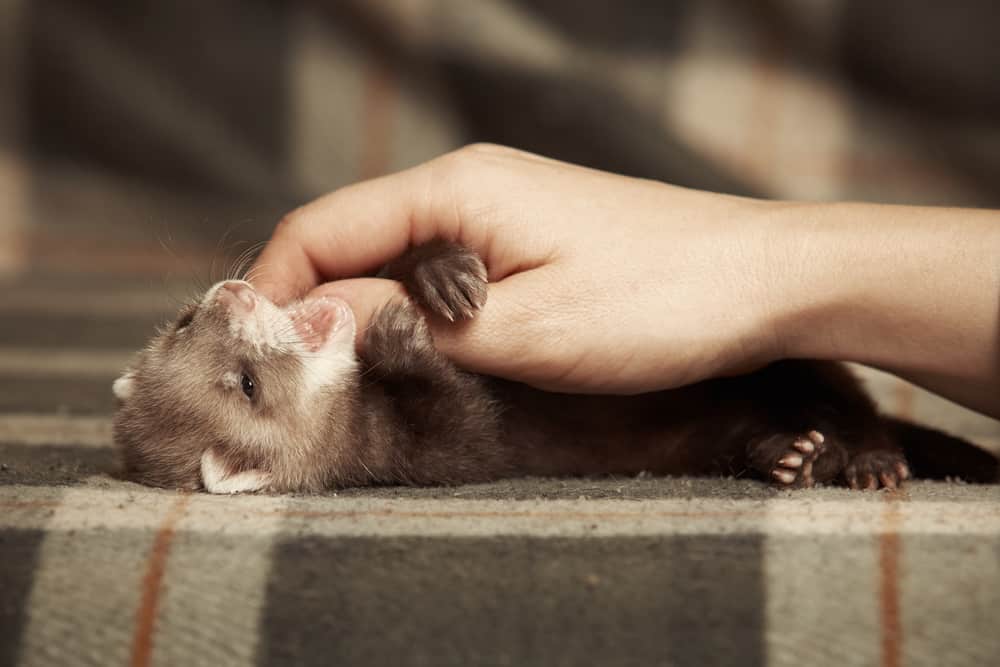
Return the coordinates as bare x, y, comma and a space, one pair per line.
620, 571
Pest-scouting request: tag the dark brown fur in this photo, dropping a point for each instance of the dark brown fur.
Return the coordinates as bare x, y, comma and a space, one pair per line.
407, 415
482, 428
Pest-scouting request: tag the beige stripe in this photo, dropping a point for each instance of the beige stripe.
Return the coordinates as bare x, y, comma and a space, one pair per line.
489, 31
949, 599
132, 507
48, 362
904, 397
85, 590
324, 87
14, 170
896, 396
80, 431
819, 591
14, 212
215, 586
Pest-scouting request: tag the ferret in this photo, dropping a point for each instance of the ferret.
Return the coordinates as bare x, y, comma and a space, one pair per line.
241, 395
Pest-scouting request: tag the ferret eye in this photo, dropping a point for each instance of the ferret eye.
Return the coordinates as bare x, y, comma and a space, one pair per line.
248, 386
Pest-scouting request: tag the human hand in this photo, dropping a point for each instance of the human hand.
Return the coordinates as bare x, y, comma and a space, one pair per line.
598, 282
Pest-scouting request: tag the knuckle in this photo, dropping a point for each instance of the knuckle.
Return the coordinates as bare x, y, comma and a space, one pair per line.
290, 222
485, 148
457, 161
471, 155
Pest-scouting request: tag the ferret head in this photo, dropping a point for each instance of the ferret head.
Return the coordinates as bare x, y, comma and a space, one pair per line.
240, 395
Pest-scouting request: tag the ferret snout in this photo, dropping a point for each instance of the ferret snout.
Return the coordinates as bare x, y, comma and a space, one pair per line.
239, 295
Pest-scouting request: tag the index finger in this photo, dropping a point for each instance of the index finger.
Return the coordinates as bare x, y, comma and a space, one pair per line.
346, 233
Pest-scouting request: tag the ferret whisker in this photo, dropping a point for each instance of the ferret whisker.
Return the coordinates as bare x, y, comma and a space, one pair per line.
244, 259
361, 462
242, 269
229, 271
222, 249
255, 270
233, 272
180, 258
371, 368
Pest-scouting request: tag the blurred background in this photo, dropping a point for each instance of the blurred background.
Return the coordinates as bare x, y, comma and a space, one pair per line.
145, 144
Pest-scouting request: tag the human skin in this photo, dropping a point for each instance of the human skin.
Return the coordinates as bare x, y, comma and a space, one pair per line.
601, 283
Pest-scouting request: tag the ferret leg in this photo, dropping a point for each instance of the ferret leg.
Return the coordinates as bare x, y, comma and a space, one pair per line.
800, 398
446, 424
398, 344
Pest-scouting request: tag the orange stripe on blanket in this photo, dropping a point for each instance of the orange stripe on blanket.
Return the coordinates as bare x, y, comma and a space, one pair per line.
28, 504
889, 557
145, 622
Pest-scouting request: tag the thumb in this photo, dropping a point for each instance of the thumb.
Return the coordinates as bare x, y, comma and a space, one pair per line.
364, 295
485, 344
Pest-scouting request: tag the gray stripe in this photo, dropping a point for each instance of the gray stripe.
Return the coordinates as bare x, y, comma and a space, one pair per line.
577, 488
53, 465
34, 330
112, 69
210, 604
691, 600
86, 296
19, 551
91, 395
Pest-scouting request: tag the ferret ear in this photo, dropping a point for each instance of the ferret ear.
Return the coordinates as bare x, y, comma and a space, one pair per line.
216, 477
124, 386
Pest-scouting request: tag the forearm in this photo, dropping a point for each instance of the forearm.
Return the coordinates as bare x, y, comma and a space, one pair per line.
912, 290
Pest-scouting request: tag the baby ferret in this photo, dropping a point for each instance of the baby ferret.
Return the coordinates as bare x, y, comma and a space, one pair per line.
240, 395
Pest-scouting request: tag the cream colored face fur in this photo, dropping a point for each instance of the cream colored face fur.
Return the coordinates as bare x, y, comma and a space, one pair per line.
240, 395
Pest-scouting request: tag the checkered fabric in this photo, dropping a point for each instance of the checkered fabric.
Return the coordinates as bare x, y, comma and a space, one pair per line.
143, 145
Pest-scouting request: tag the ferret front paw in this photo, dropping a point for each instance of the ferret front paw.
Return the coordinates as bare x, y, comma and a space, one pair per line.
398, 340
787, 460
878, 468
444, 278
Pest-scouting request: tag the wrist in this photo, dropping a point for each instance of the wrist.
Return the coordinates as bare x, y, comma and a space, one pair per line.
840, 285
908, 289
809, 294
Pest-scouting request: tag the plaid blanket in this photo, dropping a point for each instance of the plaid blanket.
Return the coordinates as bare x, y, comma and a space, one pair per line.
620, 571
143, 145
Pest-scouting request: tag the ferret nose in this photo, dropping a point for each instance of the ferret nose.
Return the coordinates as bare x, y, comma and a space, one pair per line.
239, 294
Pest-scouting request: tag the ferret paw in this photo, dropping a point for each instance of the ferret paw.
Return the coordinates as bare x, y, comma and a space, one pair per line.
444, 278
787, 460
397, 326
874, 469
398, 340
